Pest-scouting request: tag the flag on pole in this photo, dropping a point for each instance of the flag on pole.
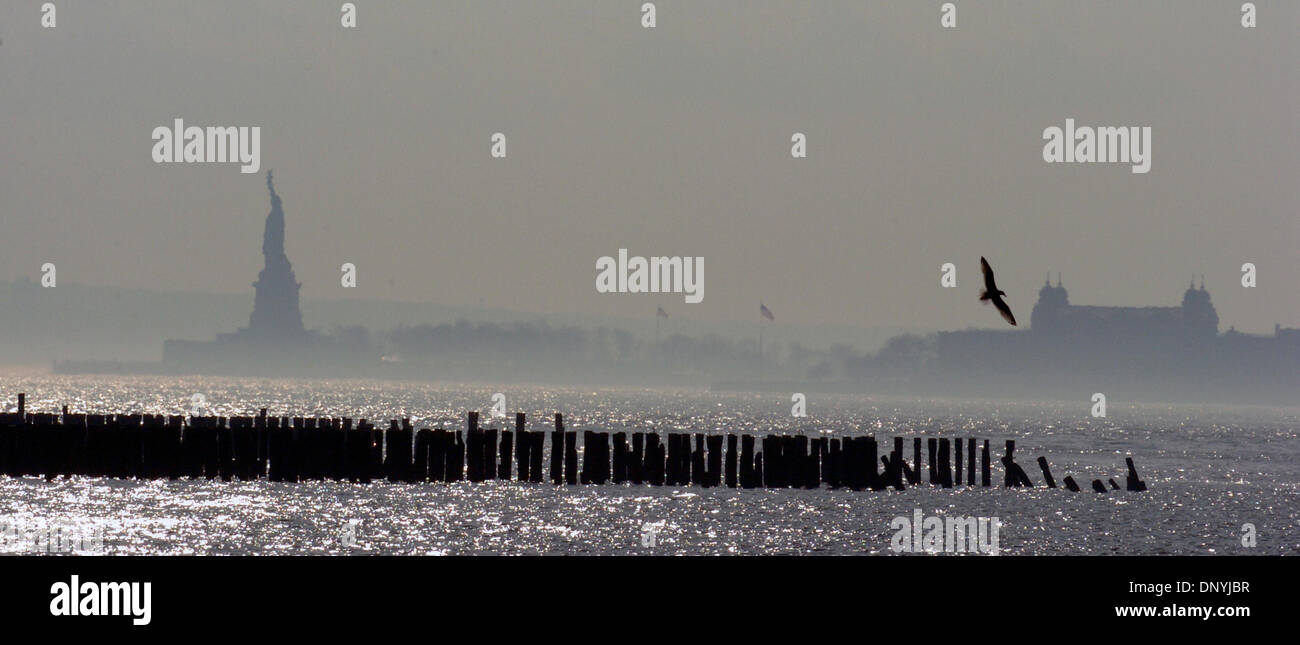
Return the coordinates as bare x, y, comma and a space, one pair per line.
661, 313
767, 313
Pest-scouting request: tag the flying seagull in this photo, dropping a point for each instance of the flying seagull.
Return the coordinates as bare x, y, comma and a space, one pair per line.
992, 293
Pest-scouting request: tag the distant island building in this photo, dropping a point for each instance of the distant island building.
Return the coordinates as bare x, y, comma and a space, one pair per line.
1129, 353
1054, 315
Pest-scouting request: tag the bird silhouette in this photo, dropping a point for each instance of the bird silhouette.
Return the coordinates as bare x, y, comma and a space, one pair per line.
991, 293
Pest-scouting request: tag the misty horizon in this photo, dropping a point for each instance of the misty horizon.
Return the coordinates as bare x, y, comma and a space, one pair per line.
918, 155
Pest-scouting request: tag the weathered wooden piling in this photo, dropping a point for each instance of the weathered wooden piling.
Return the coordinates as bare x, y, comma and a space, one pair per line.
245, 444
209, 444
1015, 475
826, 469
833, 465
602, 471
876, 477
375, 460
698, 462
945, 463
684, 458
733, 460
772, 462
793, 454
420, 462
654, 460
535, 474
260, 437
636, 461
557, 451
895, 467
507, 454
1113, 485
595, 457
803, 456
1132, 482
490, 450
812, 465
862, 462
342, 432
277, 450
1098, 486
456, 457
893, 472
523, 448
440, 445
571, 457
914, 473
332, 435
397, 460
849, 469
1009, 479
932, 453
673, 467
584, 472
1070, 484
713, 468
986, 478
956, 461
619, 474
749, 477
309, 450
1047, 472
970, 461
474, 467
350, 449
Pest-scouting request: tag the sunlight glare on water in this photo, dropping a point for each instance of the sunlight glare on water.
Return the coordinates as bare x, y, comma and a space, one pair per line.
1210, 471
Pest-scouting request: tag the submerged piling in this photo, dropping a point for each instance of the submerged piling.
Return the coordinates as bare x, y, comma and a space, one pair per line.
1047, 473
1133, 483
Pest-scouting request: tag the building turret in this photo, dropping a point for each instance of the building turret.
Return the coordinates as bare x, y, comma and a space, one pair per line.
1199, 316
1052, 303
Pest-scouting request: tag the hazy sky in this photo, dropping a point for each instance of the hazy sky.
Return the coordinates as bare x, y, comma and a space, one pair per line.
924, 147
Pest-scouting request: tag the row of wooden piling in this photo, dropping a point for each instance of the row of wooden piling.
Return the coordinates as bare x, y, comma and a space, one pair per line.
285, 449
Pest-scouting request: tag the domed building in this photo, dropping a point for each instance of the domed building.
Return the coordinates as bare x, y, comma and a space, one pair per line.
1053, 315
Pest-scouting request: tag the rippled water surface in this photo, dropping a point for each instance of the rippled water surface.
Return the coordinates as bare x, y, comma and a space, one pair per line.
1210, 470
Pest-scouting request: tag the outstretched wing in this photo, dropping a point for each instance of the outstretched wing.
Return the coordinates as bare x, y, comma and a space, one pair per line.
1004, 310
988, 276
